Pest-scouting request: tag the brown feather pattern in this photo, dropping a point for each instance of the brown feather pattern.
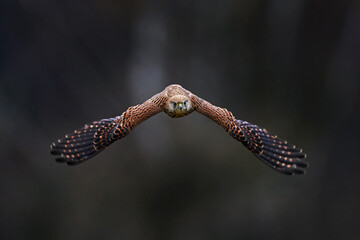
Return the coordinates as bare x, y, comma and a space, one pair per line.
90, 140
93, 138
274, 152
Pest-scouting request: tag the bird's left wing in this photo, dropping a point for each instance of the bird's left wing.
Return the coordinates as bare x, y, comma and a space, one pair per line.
86, 142
273, 151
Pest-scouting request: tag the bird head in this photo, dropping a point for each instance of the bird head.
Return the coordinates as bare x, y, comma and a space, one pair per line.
178, 106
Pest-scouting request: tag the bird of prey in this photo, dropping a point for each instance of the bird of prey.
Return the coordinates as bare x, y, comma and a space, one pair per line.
177, 102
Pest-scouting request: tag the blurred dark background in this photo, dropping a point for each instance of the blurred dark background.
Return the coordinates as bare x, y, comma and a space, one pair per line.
289, 66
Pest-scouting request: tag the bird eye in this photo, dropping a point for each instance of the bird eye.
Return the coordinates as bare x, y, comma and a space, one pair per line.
174, 104
185, 102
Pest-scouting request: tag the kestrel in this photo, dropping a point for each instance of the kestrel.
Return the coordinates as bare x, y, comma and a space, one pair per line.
178, 102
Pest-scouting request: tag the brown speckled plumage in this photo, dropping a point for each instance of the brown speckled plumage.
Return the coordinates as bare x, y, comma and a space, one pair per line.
176, 101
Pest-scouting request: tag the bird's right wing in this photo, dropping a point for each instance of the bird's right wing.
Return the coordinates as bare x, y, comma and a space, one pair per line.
90, 140
271, 150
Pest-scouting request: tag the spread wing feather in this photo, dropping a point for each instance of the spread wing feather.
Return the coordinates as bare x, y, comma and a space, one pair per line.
88, 141
93, 138
273, 151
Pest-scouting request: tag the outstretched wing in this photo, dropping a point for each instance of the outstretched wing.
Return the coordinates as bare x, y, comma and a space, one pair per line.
90, 140
274, 152
271, 150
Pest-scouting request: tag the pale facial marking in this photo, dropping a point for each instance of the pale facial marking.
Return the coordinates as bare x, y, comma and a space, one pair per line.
179, 105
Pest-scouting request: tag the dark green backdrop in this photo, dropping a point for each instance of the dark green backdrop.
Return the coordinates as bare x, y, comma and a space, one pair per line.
289, 66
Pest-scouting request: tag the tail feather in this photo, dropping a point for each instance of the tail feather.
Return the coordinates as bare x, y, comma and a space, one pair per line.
273, 151
88, 141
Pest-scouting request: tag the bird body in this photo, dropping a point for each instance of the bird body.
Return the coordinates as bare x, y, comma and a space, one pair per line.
178, 102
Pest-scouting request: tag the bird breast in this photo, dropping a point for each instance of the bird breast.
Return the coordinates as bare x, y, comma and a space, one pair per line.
177, 113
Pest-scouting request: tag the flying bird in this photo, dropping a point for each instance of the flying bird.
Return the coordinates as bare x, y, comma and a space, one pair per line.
177, 102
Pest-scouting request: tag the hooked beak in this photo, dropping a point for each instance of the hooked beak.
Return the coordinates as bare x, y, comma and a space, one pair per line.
180, 105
